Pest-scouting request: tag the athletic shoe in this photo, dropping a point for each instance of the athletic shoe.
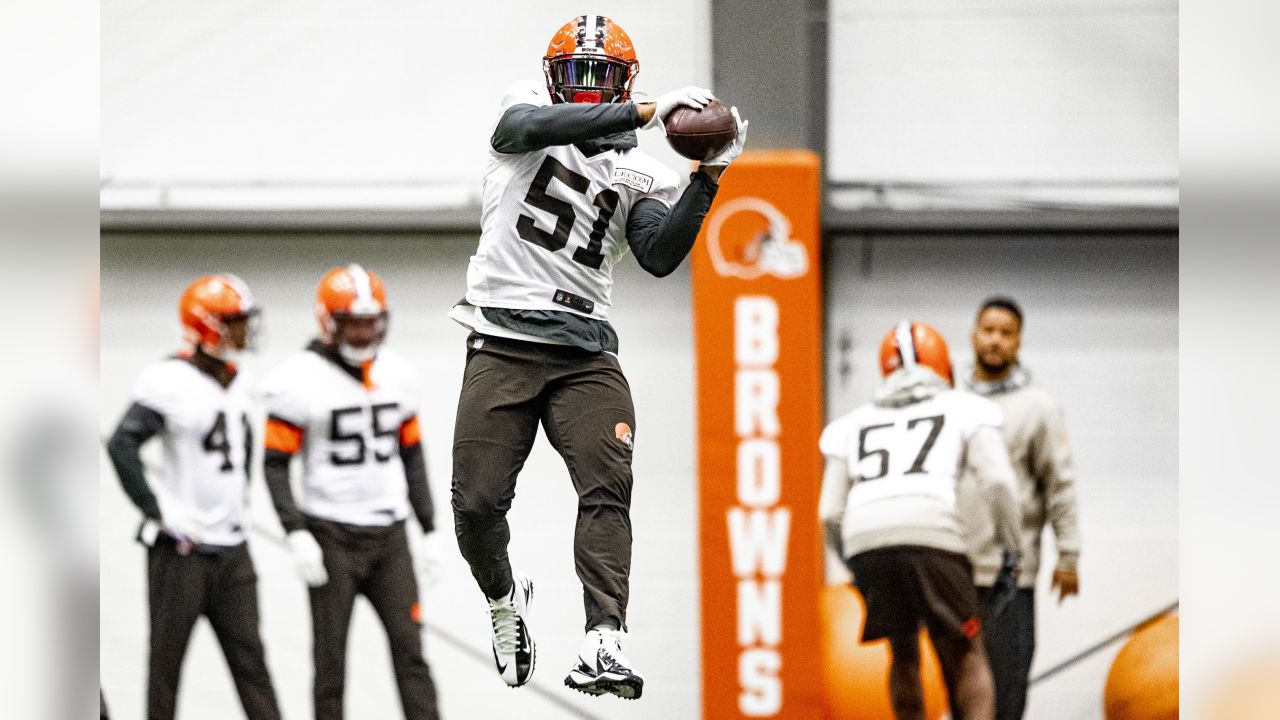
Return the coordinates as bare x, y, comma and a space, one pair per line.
602, 668
513, 648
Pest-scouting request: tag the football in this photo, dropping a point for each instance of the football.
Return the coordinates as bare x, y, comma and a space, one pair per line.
701, 134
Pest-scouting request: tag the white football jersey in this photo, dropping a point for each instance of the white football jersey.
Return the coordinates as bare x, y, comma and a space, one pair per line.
904, 463
351, 467
206, 439
553, 222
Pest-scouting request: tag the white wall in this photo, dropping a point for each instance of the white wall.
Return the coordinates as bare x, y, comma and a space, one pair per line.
1101, 333
141, 280
998, 90
336, 91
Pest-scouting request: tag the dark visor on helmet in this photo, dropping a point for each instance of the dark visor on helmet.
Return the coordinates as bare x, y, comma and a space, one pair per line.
572, 76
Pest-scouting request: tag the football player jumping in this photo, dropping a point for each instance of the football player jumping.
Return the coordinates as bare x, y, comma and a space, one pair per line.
566, 195
197, 561
348, 406
889, 510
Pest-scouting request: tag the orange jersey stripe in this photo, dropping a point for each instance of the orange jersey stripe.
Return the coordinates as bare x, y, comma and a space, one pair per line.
410, 432
283, 437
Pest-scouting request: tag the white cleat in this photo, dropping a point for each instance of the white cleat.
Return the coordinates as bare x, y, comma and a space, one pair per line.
513, 647
602, 668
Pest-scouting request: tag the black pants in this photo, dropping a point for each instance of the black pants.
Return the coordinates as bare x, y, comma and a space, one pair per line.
907, 586
222, 587
584, 404
374, 562
1011, 643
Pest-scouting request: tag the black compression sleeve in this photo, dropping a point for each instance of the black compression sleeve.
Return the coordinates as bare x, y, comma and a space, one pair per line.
524, 128
660, 238
140, 423
275, 468
415, 475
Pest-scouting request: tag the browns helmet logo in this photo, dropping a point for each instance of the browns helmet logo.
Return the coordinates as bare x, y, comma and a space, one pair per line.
749, 238
622, 431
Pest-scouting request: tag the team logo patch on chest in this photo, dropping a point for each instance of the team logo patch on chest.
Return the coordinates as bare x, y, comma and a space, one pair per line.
632, 179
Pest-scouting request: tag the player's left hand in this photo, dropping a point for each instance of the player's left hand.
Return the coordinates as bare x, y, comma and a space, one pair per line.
428, 556
1066, 582
732, 152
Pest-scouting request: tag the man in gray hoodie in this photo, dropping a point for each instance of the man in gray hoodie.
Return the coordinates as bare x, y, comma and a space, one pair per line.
1036, 438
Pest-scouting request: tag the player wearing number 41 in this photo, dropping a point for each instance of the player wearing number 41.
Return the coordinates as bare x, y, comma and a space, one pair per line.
889, 510
197, 562
348, 407
566, 195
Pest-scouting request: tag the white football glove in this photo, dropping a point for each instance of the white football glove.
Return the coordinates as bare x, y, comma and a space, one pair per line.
428, 557
732, 152
308, 558
690, 97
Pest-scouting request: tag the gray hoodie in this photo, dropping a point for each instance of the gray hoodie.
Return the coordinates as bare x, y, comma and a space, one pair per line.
1036, 438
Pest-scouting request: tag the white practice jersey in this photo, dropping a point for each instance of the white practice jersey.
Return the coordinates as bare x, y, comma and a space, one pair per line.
904, 464
206, 439
553, 222
351, 467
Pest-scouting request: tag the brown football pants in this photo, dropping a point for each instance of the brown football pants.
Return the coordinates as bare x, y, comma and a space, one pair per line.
584, 404
374, 562
222, 587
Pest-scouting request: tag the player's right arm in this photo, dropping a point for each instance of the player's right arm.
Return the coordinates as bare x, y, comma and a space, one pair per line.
157, 393
525, 128
837, 482
836, 485
139, 424
529, 123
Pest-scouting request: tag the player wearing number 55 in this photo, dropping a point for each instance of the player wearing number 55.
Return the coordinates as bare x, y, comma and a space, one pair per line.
889, 509
197, 561
566, 196
348, 407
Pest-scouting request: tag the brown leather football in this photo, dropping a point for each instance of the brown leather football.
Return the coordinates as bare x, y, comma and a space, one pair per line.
701, 134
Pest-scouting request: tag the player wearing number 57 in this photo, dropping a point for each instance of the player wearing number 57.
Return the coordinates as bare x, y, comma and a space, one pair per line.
348, 408
197, 561
889, 509
567, 194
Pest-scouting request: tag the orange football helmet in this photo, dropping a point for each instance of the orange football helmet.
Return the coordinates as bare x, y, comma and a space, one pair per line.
591, 60
912, 344
347, 292
206, 307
